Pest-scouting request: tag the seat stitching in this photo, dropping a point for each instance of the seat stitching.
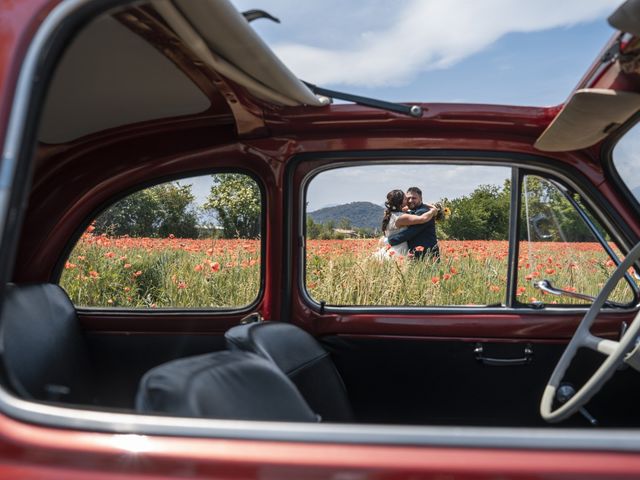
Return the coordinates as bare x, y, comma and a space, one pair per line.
307, 363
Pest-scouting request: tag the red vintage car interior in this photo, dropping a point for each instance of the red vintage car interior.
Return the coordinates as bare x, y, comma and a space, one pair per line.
312, 389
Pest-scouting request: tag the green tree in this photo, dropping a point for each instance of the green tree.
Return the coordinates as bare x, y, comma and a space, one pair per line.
365, 233
313, 229
235, 198
326, 232
133, 216
551, 217
484, 214
176, 214
481, 215
157, 211
344, 223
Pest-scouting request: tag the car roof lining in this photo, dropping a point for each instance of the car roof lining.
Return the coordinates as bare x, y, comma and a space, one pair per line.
109, 77
235, 50
112, 75
587, 118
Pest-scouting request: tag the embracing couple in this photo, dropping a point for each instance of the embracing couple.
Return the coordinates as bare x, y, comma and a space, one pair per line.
409, 226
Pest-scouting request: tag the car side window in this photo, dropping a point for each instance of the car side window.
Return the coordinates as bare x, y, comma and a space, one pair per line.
563, 244
625, 160
192, 243
360, 253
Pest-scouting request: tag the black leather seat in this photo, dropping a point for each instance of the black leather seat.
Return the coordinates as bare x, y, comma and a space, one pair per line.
43, 348
302, 359
222, 385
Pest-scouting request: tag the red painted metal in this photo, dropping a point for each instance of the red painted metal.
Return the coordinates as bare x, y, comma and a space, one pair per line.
30, 451
508, 327
496, 326
66, 175
19, 21
531, 326
161, 321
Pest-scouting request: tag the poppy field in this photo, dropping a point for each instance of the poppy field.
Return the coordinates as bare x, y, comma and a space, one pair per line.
129, 272
470, 272
168, 272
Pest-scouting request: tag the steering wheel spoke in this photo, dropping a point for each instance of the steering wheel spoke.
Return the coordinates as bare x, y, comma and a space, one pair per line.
602, 345
633, 358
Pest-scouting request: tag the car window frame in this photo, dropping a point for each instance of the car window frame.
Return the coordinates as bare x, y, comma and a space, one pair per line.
566, 191
521, 164
203, 311
607, 160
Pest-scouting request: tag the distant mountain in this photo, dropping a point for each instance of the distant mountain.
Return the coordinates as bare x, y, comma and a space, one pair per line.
359, 214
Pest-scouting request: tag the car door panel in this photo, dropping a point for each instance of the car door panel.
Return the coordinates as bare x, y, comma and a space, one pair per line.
441, 381
121, 359
124, 345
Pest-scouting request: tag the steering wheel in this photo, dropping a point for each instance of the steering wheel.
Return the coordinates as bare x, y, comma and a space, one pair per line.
615, 352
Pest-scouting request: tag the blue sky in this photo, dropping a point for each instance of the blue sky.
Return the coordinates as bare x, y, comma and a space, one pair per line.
527, 52
515, 52
538, 68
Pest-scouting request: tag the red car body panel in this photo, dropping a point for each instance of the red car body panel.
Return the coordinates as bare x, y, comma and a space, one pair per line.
37, 452
19, 22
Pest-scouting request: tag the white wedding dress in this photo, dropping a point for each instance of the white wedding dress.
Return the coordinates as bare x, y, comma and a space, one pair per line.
402, 249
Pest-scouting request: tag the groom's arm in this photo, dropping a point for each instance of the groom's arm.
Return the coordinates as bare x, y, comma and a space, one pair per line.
408, 233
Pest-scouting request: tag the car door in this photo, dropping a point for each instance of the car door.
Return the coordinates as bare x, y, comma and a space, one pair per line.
466, 338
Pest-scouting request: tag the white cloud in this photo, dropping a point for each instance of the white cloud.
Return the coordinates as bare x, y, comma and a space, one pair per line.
428, 34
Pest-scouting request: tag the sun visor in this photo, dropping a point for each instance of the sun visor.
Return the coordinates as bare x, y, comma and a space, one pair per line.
627, 17
588, 117
223, 38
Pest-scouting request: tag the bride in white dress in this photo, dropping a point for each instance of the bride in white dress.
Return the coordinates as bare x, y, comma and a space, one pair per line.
394, 220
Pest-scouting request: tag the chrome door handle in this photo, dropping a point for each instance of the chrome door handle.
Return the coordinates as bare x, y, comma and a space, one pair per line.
545, 286
503, 362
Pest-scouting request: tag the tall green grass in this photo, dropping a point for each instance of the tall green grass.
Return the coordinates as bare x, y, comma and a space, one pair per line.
162, 273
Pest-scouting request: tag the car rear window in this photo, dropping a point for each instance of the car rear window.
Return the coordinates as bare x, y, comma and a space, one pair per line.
626, 158
193, 243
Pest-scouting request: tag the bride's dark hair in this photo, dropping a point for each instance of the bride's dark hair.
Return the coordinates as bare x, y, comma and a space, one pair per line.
395, 199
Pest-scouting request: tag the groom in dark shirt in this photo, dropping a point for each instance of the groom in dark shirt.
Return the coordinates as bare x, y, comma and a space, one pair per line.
421, 238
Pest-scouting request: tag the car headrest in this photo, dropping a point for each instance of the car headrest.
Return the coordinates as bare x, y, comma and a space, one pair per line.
287, 345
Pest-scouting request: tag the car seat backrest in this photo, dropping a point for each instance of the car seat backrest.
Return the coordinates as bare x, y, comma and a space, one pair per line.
43, 347
222, 385
302, 359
